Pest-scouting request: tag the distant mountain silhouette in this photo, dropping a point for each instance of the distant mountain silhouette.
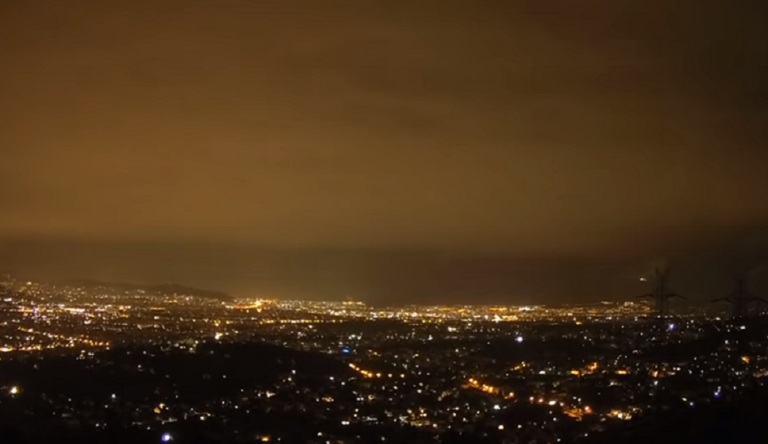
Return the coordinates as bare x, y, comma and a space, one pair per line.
162, 289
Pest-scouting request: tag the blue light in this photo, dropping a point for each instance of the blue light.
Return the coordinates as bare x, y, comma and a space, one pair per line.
166, 437
345, 350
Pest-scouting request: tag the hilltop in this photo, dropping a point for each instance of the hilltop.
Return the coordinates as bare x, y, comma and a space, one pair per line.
160, 290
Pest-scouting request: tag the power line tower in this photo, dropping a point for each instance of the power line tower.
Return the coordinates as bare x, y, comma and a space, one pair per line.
740, 299
660, 293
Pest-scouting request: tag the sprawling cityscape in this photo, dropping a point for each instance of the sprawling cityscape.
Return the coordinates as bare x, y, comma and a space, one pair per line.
393, 221
174, 364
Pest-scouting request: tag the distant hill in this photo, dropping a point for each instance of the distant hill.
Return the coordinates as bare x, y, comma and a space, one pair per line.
161, 290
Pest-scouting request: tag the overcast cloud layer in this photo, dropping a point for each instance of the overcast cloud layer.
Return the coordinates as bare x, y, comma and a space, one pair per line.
561, 136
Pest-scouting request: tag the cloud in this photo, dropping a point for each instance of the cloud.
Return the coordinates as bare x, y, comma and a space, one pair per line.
534, 129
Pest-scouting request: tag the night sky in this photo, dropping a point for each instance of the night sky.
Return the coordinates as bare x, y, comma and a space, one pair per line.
403, 151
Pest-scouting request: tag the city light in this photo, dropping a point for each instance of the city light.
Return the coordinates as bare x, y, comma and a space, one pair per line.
339, 222
401, 356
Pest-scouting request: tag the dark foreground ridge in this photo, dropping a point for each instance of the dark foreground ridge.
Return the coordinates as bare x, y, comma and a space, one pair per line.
741, 420
109, 398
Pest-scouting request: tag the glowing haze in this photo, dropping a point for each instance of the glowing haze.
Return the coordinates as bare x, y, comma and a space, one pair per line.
397, 149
